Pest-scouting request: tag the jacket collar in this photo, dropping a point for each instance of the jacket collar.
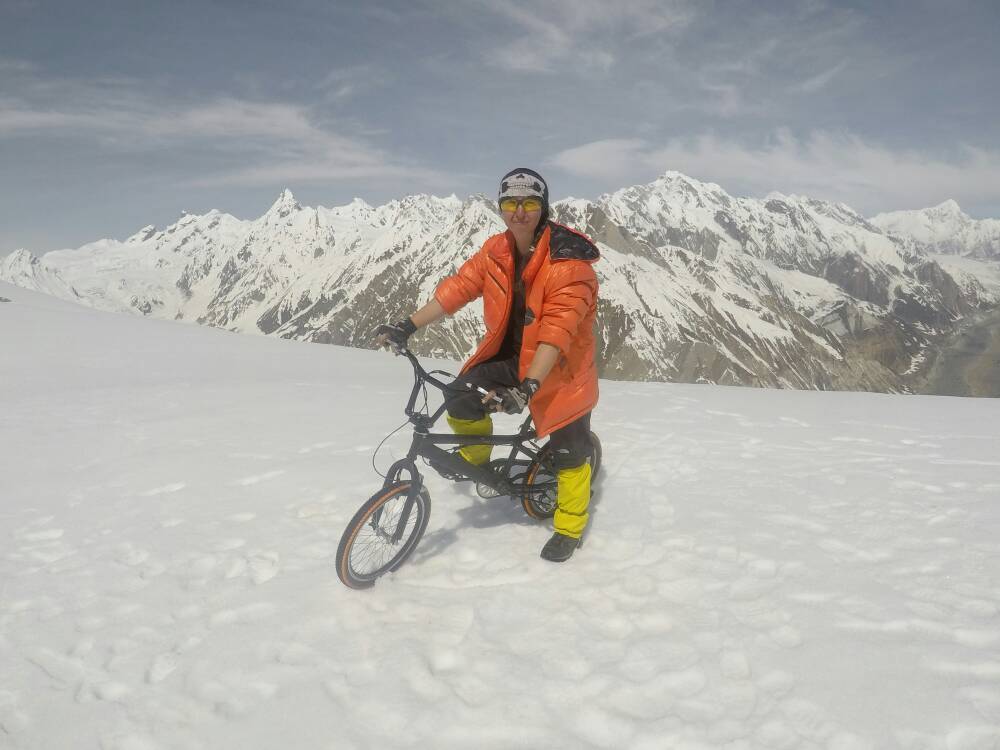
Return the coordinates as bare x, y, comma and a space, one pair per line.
503, 252
540, 256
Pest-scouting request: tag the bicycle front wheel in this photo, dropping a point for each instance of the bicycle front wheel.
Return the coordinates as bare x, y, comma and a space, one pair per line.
382, 534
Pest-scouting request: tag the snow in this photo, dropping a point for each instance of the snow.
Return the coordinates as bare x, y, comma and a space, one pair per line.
764, 569
972, 270
928, 225
944, 228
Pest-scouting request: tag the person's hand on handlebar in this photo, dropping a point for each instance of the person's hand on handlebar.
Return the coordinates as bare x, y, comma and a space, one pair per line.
512, 400
394, 335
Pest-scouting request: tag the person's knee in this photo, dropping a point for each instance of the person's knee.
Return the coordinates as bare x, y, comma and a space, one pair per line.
568, 457
571, 444
465, 403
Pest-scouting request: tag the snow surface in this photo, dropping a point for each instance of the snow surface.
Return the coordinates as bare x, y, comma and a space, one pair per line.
765, 569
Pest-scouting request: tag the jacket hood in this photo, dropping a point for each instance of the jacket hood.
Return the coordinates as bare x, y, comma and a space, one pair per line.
567, 244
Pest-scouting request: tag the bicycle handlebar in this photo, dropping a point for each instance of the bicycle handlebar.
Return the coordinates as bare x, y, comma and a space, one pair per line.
420, 375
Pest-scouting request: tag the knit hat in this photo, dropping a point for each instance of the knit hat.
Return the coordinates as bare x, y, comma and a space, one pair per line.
524, 183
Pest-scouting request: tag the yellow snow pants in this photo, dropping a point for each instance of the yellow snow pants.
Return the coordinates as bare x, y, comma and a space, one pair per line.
572, 501
474, 454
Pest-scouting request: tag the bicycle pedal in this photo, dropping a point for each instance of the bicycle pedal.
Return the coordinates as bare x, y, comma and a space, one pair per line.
486, 492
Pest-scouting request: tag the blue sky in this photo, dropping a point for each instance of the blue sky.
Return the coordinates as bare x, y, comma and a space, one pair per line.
114, 115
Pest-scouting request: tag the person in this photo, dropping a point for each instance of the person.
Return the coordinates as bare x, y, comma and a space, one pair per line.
539, 301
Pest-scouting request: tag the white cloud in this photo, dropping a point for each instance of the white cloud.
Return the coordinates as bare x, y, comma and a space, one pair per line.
16, 117
281, 143
332, 166
867, 176
610, 160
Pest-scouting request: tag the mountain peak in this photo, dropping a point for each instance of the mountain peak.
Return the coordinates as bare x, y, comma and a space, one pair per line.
672, 175
143, 234
949, 207
285, 204
17, 259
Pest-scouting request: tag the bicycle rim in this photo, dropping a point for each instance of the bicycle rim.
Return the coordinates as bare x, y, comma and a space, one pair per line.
540, 505
369, 549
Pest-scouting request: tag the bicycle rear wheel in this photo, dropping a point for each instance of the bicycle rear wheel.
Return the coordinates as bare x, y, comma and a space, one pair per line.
382, 534
542, 505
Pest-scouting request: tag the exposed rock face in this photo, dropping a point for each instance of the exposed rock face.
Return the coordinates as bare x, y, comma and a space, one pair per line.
966, 364
696, 285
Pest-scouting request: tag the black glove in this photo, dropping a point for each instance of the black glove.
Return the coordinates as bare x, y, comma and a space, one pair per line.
395, 334
513, 400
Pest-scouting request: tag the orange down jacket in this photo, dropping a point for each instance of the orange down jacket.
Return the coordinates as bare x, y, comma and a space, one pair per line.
560, 308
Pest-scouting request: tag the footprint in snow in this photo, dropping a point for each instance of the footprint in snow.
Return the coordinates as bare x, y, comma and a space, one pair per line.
161, 667
164, 490
239, 615
42, 536
258, 478
263, 566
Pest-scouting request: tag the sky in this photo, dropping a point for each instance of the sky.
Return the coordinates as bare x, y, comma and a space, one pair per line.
119, 114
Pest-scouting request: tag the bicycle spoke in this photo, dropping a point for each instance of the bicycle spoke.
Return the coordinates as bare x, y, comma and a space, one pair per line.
373, 550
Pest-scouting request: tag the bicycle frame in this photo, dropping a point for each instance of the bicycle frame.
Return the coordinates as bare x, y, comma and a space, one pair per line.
426, 445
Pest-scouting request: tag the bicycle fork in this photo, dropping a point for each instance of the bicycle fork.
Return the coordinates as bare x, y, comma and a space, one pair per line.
416, 484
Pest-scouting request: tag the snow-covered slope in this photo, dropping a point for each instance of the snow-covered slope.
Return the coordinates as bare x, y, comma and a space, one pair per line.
764, 569
26, 270
945, 228
696, 286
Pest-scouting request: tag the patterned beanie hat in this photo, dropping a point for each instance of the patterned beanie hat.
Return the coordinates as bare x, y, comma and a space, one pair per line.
524, 183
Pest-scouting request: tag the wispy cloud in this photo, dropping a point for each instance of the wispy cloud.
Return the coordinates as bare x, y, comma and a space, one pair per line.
343, 83
820, 80
556, 34
840, 167
14, 65
278, 142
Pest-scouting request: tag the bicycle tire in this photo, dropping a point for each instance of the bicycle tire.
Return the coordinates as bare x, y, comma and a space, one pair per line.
379, 513
543, 506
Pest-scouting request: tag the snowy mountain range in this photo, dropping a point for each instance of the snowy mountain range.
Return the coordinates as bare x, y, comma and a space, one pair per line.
944, 228
696, 285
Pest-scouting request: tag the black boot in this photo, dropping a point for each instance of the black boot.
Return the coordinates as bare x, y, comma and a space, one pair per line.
559, 548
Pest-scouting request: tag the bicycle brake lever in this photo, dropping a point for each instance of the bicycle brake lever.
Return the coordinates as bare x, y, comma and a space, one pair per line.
496, 399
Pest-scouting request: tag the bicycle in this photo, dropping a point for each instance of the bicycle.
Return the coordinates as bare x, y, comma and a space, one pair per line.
387, 528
